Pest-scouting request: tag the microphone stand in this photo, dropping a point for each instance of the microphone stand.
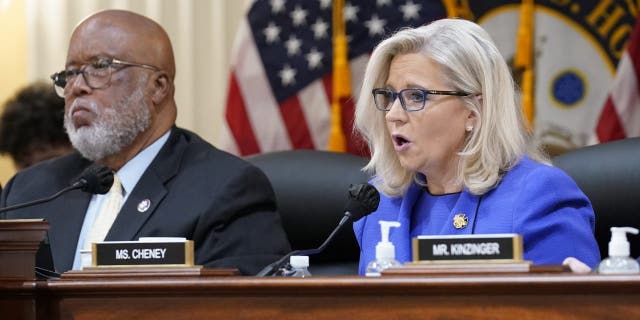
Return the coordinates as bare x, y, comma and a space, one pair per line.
76, 185
95, 179
274, 267
42, 273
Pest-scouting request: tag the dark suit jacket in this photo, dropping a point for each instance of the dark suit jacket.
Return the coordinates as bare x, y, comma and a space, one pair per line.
224, 204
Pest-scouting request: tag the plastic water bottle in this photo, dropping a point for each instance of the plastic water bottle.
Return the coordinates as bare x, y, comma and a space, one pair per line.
619, 260
385, 251
300, 265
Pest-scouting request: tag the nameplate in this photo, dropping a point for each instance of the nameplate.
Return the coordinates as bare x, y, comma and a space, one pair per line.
136, 253
462, 248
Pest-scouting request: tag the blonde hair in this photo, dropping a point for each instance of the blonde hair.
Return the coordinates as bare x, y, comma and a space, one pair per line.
470, 62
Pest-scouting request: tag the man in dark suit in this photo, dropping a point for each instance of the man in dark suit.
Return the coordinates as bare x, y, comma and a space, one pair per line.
120, 112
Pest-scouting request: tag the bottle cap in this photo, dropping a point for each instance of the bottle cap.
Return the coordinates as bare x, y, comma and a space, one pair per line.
619, 246
299, 261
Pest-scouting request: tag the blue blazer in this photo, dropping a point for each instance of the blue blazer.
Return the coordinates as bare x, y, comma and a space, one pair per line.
537, 201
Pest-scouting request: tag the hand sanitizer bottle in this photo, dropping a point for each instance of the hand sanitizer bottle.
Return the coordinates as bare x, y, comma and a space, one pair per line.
385, 251
619, 260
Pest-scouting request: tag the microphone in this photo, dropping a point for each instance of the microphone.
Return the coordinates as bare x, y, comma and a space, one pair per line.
363, 199
95, 179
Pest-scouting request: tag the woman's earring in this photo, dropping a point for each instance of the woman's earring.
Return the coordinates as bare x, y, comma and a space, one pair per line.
469, 128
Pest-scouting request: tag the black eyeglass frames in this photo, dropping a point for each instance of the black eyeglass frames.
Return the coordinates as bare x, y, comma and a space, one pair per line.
96, 74
411, 99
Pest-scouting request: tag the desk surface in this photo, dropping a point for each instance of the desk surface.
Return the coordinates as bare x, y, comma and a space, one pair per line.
503, 296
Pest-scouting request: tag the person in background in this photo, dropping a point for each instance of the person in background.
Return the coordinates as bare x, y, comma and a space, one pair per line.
31, 128
118, 87
451, 152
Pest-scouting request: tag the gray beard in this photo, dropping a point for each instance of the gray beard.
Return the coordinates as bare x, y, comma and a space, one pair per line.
115, 126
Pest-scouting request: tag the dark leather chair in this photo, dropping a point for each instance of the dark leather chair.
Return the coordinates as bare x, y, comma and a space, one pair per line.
609, 174
311, 190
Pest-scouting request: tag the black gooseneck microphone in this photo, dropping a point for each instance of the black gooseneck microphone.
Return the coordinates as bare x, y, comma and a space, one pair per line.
95, 179
363, 199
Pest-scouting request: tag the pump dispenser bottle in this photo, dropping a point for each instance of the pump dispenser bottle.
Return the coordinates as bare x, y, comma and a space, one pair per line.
385, 251
619, 260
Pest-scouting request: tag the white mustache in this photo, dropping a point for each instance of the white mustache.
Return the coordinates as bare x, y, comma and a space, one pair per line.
85, 103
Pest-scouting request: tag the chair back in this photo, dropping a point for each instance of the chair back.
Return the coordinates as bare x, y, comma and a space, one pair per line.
609, 174
311, 188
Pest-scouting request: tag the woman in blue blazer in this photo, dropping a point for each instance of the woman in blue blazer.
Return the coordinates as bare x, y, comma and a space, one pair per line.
442, 118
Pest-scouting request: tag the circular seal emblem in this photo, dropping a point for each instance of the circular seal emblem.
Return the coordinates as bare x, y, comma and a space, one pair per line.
568, 88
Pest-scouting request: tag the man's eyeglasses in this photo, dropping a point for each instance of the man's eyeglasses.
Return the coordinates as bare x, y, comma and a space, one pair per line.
412, 99
97, 74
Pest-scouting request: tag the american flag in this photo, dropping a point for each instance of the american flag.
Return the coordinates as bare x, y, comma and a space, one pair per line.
620, 117
280, 84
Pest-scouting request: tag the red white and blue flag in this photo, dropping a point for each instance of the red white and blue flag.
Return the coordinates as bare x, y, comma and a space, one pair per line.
280, 86
620, 117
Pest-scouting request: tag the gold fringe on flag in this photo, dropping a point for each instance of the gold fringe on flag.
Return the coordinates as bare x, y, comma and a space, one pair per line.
341, 79
523, 59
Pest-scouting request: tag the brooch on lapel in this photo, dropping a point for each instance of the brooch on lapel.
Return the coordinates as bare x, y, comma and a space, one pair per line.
460, 220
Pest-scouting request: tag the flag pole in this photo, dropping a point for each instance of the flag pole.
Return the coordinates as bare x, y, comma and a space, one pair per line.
523, 60
450, 7
341, 79
458, 9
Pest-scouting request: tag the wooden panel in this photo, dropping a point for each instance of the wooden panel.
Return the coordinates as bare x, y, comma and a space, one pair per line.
19, 242
504, 296
18, 300
354, 307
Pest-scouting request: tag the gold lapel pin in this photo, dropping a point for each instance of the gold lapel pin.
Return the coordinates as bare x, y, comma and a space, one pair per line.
460, 220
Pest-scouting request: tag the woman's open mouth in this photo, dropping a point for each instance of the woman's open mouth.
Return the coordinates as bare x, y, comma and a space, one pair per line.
400, 142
